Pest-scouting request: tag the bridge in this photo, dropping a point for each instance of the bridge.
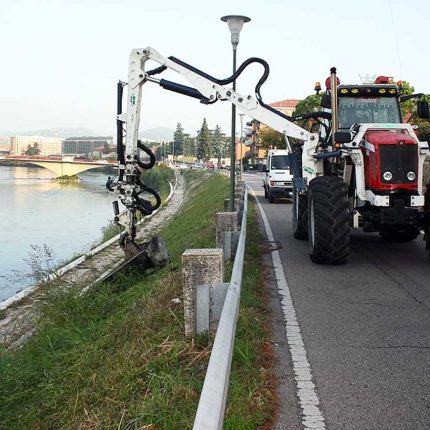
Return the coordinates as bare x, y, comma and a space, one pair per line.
61, 166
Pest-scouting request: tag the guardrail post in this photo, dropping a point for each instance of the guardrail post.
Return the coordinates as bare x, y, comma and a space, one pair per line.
199, 267
225, 221
209, 303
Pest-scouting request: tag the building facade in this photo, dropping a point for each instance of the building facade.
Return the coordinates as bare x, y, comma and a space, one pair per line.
86, 145
46, 146
287, 107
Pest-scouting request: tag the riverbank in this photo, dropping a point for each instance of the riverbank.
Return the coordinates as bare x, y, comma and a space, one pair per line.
117, 358
19, 315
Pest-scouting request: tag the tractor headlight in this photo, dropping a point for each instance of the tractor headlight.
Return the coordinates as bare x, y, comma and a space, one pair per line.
388, 175
411, 176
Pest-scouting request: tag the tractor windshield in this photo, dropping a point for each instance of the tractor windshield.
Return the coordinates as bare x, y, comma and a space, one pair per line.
361, 110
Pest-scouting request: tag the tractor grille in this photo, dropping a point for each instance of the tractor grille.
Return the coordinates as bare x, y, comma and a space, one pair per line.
399, 160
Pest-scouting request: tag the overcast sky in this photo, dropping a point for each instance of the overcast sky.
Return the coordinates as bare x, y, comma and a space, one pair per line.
61, 59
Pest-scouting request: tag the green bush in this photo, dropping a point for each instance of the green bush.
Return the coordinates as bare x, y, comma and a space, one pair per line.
158, 178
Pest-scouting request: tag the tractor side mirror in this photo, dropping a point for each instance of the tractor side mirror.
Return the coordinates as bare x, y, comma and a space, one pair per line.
326, 101
423, 109
342, 137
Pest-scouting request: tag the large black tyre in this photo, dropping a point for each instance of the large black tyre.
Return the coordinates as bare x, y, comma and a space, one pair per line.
328, 220
399, 234
300, 216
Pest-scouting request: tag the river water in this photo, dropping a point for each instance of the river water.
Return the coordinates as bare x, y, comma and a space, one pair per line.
67, 218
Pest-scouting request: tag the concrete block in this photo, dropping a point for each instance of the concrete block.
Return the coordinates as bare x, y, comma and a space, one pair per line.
226, 205
225, 221
236, 204
199, 267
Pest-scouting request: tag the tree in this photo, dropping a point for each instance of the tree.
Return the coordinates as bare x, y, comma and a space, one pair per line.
178, 140
219, 144
203, 143
188, 146
311, 103
270, 138
106, 148
409, 112
33, 149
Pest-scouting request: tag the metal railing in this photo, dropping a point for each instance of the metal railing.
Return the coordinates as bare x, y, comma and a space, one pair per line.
210, 411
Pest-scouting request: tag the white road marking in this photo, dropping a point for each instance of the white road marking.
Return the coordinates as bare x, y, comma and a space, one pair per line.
306, 391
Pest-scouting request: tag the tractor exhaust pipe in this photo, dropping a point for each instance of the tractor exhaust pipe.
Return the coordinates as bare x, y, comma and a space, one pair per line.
333, 93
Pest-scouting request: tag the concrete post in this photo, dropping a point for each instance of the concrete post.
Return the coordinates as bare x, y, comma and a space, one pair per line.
226, 204
225, 221
236, 204
199, 267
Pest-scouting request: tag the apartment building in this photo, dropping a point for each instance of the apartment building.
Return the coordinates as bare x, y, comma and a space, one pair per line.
18, 145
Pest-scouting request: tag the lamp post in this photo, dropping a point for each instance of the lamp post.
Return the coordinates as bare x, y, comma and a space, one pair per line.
235, 24
241, 144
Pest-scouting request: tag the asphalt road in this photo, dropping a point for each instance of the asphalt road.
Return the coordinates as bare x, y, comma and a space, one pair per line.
365, 326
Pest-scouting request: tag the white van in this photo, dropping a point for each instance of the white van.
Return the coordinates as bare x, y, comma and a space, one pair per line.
277, 179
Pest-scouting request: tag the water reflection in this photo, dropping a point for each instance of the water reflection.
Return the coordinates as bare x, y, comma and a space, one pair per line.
67, 217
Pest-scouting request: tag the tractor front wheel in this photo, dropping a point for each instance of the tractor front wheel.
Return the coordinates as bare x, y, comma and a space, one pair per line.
328, 220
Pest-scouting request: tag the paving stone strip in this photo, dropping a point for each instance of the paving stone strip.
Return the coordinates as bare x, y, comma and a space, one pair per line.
20, 319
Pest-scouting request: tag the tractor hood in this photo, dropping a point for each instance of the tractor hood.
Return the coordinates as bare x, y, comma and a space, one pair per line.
389, 137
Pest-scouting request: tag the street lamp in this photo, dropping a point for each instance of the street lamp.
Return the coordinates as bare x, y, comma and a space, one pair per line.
235, 24
241, 144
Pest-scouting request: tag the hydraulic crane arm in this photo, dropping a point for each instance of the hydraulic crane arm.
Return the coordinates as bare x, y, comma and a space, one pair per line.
208, 90
204, 86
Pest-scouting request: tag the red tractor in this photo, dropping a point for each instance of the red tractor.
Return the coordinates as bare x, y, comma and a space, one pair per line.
367, 171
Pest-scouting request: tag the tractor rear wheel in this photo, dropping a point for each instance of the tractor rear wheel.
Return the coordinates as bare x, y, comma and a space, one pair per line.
328, 220
400, 234
300, 209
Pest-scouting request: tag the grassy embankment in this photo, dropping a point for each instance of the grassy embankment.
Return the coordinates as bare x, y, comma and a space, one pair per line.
116, 357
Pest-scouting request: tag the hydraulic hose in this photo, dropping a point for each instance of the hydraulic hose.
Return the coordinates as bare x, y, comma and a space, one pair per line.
230, 79
151, 163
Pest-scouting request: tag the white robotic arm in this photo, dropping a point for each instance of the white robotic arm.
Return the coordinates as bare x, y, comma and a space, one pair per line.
208, 90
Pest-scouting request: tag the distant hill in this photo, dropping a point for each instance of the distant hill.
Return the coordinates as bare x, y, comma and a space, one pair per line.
61, 132
49, 132
157, 133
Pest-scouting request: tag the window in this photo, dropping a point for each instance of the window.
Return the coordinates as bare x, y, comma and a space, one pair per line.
367, 110
279, 162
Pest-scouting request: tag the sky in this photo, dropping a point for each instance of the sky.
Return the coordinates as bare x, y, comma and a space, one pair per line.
61, 59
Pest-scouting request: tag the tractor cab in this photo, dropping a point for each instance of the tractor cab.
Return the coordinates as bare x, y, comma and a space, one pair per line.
367, 104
